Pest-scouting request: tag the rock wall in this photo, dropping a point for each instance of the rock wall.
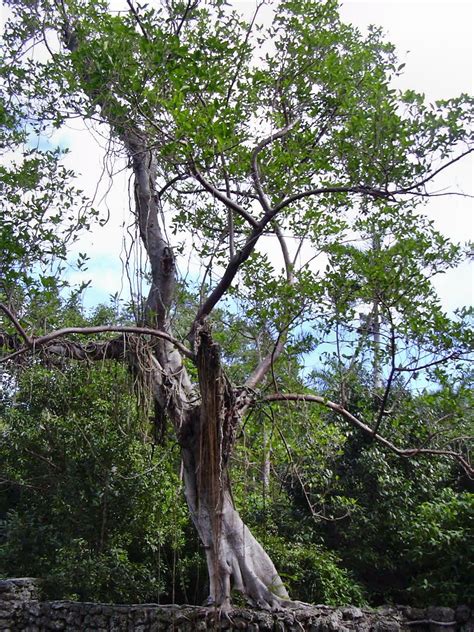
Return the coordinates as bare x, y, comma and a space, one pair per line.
21, 609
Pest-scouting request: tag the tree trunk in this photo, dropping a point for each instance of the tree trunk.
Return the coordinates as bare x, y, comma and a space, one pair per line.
235, 560
234, 557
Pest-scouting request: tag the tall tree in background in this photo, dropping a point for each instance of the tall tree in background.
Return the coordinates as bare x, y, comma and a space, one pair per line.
230, 139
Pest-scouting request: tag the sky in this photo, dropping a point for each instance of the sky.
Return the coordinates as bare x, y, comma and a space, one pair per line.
434, 39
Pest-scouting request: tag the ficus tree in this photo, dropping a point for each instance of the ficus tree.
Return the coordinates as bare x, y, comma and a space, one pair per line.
234, 133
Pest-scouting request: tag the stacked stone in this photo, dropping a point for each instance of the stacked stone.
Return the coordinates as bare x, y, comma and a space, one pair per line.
21, 610
14, 594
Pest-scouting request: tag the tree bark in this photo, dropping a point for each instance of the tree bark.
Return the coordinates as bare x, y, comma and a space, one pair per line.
235, 559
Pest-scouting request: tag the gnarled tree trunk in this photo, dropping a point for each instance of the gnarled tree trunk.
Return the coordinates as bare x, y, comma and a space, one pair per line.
235, 559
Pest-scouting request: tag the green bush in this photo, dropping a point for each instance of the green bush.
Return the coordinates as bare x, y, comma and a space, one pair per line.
87, 503
441, 540
313, 574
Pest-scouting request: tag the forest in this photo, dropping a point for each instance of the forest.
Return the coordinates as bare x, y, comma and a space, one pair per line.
279, 408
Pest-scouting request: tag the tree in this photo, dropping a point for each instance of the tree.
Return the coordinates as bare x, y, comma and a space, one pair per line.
311, 141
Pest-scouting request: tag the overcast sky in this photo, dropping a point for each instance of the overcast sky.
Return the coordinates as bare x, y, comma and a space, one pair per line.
435, 39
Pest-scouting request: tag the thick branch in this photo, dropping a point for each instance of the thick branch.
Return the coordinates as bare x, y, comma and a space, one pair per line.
41, 341
367, 430
95, 351
159, 253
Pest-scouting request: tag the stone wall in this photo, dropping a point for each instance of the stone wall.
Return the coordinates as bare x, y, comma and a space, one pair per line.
21, 609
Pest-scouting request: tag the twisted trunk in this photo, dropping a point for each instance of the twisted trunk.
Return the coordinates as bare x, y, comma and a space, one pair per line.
235, 559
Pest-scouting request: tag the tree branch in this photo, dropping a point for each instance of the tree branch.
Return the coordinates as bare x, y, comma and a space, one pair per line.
366, 190
239, 64
189, 7
16, 323
377, 193
169, 184
255, 170
262, 369
452, 356
285, 253
227, 201
433, 174
41, 341
367, 430
138, 20
389, 381
267, 363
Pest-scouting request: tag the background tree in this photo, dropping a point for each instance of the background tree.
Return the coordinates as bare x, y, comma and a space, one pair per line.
311, 141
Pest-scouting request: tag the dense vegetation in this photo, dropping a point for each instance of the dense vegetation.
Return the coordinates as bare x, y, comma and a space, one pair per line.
91, 498
354, 476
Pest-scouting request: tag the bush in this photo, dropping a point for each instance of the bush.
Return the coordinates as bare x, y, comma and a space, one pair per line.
87, 503
441, 540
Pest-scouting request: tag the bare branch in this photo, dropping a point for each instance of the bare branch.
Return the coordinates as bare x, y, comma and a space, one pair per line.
255, 170
169, 184
228, 202
246, 39
366, 190
451, 356
267, 363
373, 192
16, 323
262, 369
41, 341
138, 19
367, 430
189, 7
389, 382
433, 174
230, 217
232, 269
289, 266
